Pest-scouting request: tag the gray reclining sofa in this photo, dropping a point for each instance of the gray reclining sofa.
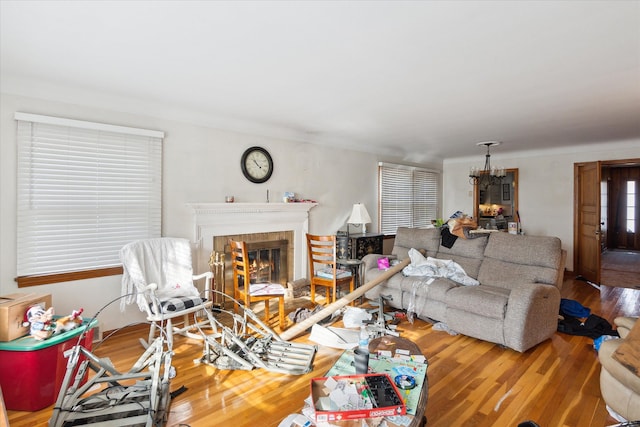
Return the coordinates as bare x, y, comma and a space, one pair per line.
516, 303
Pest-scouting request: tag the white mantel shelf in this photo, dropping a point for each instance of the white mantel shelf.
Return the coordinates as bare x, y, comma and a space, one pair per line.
209, 208
222, 219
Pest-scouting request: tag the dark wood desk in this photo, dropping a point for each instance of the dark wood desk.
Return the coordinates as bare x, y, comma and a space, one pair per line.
356, 246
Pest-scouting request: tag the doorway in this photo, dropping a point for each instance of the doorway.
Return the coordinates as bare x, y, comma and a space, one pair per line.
607, 221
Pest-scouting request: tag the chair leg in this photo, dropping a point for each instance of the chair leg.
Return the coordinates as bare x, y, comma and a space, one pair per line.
313, 293
169, 327
351, 289
236, 297
266, 310
185, 320
152, 333
283, 321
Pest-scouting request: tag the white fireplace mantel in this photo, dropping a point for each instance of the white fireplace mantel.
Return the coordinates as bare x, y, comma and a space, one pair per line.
222, 219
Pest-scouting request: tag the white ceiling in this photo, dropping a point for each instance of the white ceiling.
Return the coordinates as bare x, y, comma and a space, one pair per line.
416, 80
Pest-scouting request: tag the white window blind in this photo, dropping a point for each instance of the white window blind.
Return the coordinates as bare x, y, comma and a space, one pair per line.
409, 197
84, 191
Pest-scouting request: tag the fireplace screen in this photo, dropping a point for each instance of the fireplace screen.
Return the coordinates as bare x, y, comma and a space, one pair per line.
264, 265
268, 261
270, 258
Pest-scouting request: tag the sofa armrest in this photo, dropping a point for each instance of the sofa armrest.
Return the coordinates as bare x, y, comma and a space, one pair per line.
615, 368
532, 315
371, 261
624, 325
561, 268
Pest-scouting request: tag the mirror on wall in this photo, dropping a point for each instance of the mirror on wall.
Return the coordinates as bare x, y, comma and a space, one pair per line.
497, 204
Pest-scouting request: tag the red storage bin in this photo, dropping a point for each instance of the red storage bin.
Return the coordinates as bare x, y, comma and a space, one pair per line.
31, 371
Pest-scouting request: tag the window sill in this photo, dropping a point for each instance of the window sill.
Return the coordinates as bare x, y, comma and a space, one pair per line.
46, 279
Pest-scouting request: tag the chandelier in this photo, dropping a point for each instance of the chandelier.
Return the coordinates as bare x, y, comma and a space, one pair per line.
488, 175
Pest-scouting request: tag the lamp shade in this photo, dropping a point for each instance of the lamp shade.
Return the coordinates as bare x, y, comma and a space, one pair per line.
359, 215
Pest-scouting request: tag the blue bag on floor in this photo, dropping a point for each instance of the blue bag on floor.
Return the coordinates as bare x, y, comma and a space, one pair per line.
573, 308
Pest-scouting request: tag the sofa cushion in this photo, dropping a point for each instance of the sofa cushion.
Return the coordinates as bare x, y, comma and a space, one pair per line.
431, 288
512, 259
417, 238
487, 301
507, 275
469, 253
541, 251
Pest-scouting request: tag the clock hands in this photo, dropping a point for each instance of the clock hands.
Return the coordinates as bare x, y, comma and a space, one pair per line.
257, 164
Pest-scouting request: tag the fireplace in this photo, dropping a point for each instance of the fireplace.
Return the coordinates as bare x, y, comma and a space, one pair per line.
269, 255
252, 222
268, 262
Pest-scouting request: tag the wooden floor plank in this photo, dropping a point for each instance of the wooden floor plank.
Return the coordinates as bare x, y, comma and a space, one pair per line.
471, 382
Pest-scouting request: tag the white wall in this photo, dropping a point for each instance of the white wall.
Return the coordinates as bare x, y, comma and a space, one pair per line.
545, 185
199, 165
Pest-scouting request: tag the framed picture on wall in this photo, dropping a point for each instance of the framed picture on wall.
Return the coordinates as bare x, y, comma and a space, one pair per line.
506, 191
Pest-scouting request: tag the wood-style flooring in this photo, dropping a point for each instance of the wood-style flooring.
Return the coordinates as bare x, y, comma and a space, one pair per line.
620, 268
471, 382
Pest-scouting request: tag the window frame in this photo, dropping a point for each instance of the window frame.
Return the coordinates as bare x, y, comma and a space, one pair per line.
415, 215
36, 203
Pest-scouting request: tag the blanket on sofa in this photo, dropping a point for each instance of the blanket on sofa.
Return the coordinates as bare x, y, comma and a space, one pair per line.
434, 267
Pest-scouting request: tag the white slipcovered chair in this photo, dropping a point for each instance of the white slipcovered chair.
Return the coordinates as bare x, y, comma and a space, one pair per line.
158, 276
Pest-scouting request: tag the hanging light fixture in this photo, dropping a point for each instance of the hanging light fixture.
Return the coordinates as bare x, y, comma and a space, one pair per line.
488, 175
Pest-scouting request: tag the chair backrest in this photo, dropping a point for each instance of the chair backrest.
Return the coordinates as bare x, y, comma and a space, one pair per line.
322, 253
239, 263
165, 261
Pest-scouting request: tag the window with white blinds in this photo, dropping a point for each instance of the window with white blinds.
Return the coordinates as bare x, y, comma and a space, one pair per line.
84, 191
409, 196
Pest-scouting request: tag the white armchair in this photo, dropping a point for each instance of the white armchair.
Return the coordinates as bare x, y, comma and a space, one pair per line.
158, 276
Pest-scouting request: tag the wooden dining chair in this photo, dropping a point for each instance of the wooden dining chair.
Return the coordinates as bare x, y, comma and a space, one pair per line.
323, 268
242, 283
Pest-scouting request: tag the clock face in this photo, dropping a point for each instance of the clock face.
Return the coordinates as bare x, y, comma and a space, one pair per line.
257, 165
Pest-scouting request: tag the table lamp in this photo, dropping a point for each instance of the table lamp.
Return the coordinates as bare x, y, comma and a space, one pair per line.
359, 215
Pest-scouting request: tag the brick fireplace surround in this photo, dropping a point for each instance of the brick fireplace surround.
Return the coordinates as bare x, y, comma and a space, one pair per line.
223, 219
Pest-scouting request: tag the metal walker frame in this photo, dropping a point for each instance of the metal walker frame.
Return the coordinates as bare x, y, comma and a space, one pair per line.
249, 343
133, 398
141, 397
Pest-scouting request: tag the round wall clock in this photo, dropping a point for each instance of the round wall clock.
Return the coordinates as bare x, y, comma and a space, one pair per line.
256, 164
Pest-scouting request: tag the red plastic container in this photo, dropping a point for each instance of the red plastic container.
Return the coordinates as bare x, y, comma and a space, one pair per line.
31, 371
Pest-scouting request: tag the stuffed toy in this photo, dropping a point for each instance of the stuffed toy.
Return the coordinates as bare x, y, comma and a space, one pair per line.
40, 322
69, 322
42, 325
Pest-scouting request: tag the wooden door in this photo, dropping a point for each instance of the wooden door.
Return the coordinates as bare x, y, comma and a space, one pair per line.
624, 219
587, 221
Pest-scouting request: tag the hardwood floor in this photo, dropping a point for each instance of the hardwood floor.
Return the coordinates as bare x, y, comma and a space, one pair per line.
620, 268
471, 382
